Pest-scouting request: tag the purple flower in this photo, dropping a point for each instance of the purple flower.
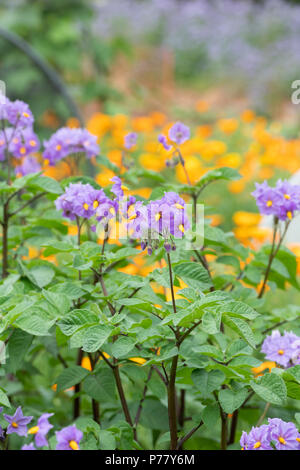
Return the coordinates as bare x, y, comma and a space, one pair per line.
137, 225
68, 438
296, 351
179, 133
67, 141
279, 348
259, 438
80, 200
281, 201
163, 140
41, 430
130, 140
18, 422
118, 188
18, 142
284, 435
107, 210
244, 441
128, 206
28, 446
17, 113
29, 165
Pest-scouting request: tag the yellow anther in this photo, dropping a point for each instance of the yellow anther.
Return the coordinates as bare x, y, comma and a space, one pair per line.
298, 439
181, 228
289, 215
32, 143
85, 206
132, 217
178, 206
74, 445
287, 196
46, 161
95, 204
269, 203
257, 445
14, 424
280, 352
22, 150
58, 147
25, 114
15, 140
157, 216
124, 187
112, 211
281, 440
1, 142
33, 430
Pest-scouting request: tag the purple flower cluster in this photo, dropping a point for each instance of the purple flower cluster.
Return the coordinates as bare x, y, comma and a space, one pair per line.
166, 218
282, 201
277, 435
80, 200
67, 141
67, 438
16, 113
283, 349
18, 138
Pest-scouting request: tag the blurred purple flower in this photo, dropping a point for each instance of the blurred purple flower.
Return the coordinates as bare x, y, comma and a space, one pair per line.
68, 438
29, 165
179, 133
130, 140
68, 141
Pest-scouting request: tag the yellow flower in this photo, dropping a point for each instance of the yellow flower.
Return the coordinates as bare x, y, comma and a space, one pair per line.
228, 126
233, 160
193, 167
257, 371
202, 106
247, 115
246, 218
152, 161
86, 363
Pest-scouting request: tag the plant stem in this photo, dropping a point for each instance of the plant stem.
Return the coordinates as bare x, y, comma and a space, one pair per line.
121, 393
234, 421
171, 384
5, 240
224, 430
259, 422
76, 408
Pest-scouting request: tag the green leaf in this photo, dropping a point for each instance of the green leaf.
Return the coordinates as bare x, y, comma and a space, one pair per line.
223, 173
75, 320
71, 376
230, 400
46, 184
271, 388
95, 336
241, 327
4, 399
193, 274
211, 323
122, 346
107, 440
210, 415
207, 382
18, 344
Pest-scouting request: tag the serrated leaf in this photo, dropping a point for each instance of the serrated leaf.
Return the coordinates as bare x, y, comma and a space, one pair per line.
71, 376
271, 388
